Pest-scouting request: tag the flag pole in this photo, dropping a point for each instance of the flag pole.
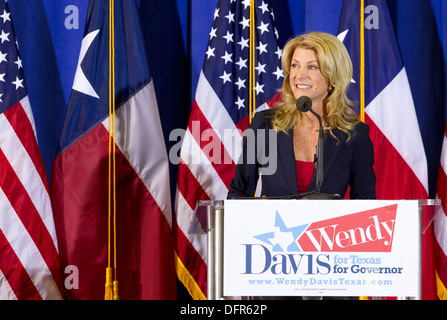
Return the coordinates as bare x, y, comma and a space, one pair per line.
362, 71
252, 96
109, 270
111, 288
362, 60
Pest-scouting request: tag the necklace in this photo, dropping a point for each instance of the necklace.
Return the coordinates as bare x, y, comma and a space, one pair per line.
309, 148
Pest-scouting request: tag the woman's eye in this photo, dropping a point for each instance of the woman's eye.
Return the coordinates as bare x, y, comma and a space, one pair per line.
313, 68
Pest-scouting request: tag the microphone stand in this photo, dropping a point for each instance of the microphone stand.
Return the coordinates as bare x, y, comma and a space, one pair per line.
319, 165
319, 168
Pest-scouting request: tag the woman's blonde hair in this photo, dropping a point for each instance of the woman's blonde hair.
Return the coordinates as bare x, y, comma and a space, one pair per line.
336, 66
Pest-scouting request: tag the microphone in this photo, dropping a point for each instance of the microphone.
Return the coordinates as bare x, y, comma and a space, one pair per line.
304, 104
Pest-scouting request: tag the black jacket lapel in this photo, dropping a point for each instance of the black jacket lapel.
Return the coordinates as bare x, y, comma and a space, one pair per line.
286, 159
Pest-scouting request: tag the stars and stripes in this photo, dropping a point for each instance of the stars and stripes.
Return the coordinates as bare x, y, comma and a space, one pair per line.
221, 105
11, 69
29, 265
226, 64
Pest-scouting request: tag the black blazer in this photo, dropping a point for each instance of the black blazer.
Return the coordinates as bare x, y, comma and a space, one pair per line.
345, 163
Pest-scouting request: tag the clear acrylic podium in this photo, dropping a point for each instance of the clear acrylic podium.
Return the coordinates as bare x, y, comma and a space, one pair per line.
209, 219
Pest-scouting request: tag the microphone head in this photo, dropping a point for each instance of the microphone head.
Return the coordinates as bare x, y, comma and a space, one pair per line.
304, 103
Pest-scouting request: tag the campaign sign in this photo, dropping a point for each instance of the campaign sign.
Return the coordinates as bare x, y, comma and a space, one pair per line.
321, 248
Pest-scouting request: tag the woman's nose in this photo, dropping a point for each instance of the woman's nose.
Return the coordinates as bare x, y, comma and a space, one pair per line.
301, 73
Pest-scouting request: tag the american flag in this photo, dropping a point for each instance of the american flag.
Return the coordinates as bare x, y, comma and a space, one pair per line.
221, 107
29, 266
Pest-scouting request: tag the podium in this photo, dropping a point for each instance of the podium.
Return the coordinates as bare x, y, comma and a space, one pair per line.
314, 248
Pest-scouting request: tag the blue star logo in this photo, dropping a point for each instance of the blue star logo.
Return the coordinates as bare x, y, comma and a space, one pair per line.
283, 239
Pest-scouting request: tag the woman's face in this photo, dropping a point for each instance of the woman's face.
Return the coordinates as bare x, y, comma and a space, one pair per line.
305, 77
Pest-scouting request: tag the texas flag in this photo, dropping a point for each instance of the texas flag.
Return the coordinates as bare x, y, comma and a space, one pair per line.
141, 235
400, 161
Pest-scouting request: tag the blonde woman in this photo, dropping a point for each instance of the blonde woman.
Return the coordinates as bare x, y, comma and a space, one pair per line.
316, 65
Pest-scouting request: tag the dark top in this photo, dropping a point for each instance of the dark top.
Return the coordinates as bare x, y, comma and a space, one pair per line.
270, 152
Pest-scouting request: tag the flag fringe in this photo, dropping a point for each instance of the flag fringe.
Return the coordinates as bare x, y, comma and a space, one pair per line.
188, 280
442, 291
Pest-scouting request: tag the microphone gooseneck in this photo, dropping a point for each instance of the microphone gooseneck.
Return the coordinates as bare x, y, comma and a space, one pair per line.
304, 104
